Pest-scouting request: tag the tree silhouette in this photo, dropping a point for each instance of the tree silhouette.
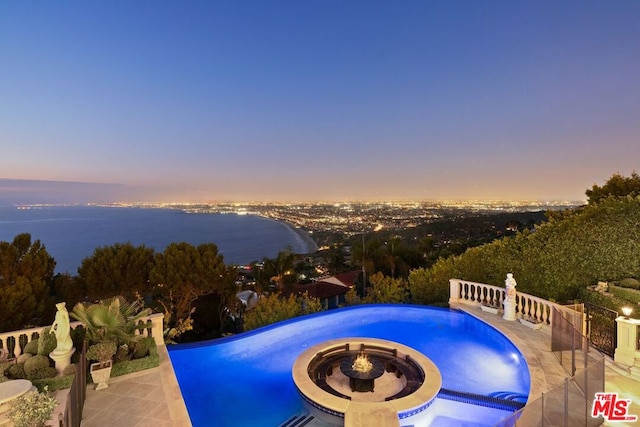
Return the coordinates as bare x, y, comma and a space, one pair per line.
26, 274
616, 186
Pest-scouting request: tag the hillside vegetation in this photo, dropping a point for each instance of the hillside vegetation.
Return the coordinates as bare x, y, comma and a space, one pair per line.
557, 260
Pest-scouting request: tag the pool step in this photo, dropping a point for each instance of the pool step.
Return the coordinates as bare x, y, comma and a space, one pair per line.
509, 395
298, 421
505, 401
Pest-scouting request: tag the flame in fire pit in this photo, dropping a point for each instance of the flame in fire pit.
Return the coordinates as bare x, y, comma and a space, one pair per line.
362, 363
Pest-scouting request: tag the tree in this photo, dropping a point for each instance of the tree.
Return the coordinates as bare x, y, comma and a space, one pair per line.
261, 277
281, 269
431, 285
335, 259
386, 289
69, 289
616, 186
275, 308
182, 273
26, 274
229, 306
120, 269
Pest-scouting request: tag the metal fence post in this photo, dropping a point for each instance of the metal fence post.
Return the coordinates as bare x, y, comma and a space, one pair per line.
566, 402
542, 411
573, 351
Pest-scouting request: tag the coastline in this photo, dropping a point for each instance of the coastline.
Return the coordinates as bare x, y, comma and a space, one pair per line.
72, 233
304, 235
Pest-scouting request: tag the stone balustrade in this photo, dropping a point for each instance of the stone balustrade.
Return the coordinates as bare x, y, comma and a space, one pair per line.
14, 342
473, 293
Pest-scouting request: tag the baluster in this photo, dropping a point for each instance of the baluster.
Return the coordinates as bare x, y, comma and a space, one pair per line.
521, 304
545, 314
526, 306
17, 351
138, 330
23, 339
538, 310
478, 294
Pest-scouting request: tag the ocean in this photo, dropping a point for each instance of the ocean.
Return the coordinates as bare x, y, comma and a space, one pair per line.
72, 233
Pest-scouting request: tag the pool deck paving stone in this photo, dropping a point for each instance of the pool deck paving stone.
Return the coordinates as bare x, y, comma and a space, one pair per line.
148, 398
153, 398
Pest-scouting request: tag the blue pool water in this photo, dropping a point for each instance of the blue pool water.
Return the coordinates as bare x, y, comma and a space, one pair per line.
246, 380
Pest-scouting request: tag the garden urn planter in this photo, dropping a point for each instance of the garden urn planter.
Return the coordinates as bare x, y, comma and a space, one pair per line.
489, 309
530, 324
100, 374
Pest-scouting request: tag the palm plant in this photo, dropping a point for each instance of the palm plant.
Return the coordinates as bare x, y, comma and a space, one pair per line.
112, 320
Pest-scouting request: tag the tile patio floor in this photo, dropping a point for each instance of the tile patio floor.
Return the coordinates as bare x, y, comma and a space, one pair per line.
148, 398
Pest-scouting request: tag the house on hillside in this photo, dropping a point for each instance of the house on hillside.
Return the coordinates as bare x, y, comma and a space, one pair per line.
330, 290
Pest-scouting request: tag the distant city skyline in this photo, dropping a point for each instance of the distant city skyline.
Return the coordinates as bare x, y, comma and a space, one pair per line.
316, 101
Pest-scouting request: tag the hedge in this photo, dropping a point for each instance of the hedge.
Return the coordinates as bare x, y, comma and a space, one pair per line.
135, 365
54, 384
630, 295
118, 369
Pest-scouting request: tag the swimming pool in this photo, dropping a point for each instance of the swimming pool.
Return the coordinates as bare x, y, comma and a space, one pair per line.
246, 380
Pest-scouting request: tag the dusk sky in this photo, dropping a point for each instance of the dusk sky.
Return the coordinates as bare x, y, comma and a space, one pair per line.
319, 100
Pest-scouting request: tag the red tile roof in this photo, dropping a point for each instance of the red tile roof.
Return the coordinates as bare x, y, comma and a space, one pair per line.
329, 287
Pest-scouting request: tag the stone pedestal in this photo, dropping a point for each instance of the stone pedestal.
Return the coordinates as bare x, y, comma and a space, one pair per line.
62, 359
626, 351
509, 310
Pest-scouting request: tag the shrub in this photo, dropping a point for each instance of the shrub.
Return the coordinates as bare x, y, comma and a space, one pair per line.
32, 409
275, 308
70, 369
4, 367
101, 352
630, 282
31, 347
431, 286
3, 379
609, 301
36, 366
141, 348
47, 342
16, 372
630, 295
54, 383
122, 354
595, 243
49, 372
23, 357
130, 366
77, 336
